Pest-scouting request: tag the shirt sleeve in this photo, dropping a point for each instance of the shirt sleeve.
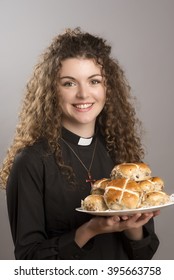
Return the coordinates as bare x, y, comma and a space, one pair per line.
145, 248
25, 189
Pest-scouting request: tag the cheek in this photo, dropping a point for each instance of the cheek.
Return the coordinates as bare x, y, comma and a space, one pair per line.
102, 97
60, 101
64, 99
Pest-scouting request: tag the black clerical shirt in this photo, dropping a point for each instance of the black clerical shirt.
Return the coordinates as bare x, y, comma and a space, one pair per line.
41, 206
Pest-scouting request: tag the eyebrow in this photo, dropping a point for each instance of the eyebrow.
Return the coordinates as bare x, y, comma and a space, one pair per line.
69, 77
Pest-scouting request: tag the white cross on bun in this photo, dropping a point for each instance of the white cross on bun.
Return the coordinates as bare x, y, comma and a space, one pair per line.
134, 171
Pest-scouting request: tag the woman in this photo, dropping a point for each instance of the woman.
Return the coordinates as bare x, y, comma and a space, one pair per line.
76, 123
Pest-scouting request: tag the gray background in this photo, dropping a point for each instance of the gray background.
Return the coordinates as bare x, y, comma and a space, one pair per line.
141, 32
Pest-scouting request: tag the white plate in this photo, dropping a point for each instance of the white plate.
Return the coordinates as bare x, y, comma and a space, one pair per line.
126, 212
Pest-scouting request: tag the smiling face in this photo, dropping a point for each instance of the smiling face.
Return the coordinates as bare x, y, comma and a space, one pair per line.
82, 94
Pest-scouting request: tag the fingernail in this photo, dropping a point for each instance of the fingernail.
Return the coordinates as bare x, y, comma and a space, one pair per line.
116, 219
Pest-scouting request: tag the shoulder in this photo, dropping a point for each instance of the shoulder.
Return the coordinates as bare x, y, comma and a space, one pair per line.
27, 171
32, 155
101, 140
28, 166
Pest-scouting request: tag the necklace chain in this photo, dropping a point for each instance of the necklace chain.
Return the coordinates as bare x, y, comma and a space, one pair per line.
90, 180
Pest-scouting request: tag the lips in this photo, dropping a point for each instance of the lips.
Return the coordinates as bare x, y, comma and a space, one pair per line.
83, 106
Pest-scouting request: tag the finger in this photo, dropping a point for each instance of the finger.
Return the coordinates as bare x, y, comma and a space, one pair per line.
124, 218
130, 222
137, 220
146, 216
143, 219
135, 217
151, 214
116, 218
156, 213
112, 220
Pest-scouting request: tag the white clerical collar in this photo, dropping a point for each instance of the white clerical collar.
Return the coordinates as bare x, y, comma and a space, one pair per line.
76, 139
85, 141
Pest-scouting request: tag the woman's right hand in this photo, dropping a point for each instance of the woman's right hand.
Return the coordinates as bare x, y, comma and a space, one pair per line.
96, 225
132, 225
99, 225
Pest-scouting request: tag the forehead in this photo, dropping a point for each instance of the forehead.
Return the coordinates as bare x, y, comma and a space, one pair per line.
74, 66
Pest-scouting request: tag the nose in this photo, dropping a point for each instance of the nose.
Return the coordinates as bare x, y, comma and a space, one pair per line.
82, 91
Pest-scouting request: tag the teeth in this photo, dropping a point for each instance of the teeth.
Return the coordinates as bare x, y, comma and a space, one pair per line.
83, 106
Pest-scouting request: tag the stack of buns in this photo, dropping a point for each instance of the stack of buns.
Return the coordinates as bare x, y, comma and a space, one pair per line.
130, 186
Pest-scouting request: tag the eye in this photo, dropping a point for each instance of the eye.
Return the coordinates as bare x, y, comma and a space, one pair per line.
69, 84
95, 81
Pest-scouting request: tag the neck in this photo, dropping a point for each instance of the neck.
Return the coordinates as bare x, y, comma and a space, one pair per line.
84, 131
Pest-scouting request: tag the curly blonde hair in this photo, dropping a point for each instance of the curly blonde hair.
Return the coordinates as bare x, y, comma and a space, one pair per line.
40, 115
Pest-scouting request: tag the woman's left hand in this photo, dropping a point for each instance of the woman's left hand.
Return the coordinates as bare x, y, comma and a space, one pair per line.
132, 225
